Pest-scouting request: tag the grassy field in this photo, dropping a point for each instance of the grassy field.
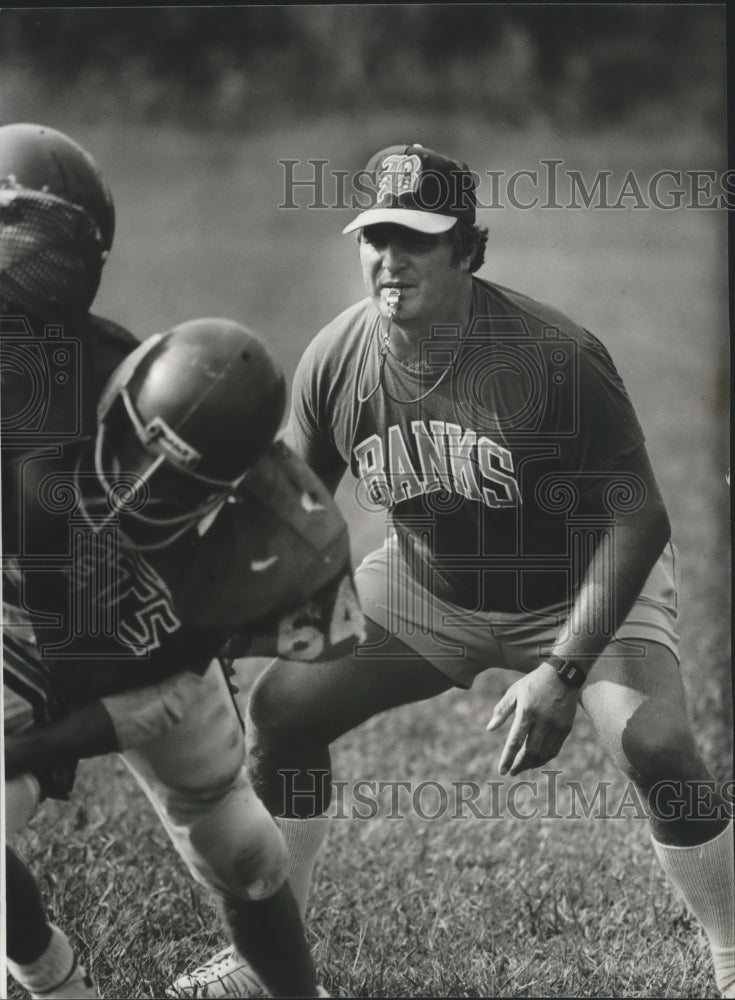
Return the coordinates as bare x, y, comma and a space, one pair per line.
450, 907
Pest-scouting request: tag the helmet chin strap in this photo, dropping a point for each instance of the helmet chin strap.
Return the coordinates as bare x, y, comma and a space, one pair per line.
175, 535
119, 499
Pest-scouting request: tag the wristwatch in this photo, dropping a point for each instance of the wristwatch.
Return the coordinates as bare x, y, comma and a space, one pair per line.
569, 671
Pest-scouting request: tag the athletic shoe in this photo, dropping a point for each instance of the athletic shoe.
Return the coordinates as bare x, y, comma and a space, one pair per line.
226, 974
78, 985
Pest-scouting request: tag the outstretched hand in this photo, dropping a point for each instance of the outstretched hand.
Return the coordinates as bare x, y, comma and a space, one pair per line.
544, 712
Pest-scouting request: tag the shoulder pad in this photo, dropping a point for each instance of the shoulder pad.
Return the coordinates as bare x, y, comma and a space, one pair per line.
108, 345
113, 332
276, 546
105, 345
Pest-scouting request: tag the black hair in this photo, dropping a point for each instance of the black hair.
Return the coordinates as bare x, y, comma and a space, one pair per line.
469, 239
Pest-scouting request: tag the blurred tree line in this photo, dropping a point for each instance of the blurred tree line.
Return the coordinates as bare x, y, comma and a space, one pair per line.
580, 65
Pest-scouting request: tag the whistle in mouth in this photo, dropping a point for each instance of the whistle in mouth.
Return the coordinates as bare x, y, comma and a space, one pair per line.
394, 300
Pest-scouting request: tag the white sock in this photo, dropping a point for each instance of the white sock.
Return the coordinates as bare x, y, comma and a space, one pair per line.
705, 877
303, 839
50, 969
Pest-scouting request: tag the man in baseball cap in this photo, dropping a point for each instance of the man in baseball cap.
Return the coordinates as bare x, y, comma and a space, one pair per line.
527, 532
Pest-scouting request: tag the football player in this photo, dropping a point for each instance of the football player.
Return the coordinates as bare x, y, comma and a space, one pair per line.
57, 223
140, 544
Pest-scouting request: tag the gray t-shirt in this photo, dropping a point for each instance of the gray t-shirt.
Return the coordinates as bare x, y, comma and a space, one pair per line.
484, 464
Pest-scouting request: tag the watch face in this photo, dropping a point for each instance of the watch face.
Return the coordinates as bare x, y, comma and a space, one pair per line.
571, 673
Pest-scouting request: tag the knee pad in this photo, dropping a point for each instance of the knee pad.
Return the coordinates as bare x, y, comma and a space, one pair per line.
22, 796
237, 849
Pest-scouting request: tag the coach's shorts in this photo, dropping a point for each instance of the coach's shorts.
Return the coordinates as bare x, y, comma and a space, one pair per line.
462, 644
195, 778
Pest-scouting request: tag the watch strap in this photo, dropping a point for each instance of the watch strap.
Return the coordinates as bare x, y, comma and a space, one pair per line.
568, 670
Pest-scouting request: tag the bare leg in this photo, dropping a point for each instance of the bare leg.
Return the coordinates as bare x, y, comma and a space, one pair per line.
40, 956
295, 712
638, 708
28, 929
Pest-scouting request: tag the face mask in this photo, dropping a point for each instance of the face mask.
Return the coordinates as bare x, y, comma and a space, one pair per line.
50, 254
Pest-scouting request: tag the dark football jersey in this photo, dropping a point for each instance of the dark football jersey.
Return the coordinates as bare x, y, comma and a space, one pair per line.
272, 567
52, 375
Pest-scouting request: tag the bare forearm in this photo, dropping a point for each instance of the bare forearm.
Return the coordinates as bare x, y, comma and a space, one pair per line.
86, 732
613, 581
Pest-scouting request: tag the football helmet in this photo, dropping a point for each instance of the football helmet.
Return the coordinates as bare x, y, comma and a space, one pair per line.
41, 159
181, 421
